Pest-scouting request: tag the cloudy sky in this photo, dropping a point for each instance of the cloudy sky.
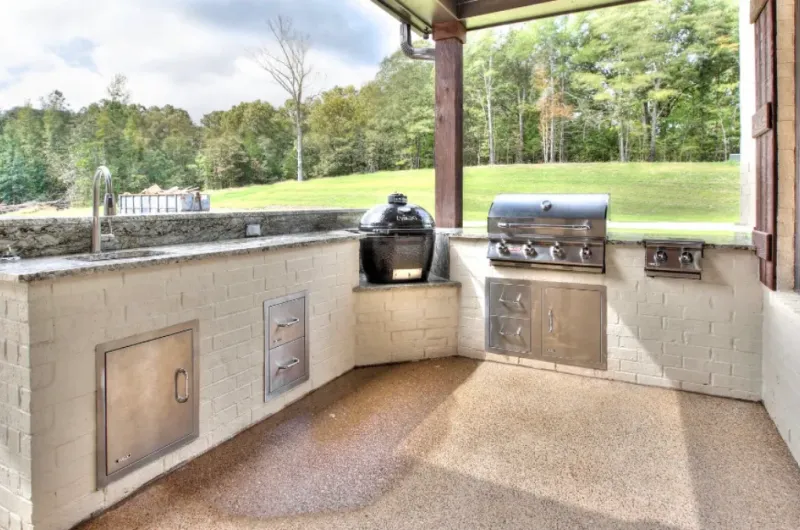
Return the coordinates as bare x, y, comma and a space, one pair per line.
190, 53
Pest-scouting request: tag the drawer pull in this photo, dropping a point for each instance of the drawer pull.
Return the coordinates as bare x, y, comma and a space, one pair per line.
185, 397
289, 323
515, 302
294, 362
516, 334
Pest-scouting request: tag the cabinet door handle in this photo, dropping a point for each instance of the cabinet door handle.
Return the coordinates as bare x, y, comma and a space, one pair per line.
550, 321
294, 362
289, 323
185, 397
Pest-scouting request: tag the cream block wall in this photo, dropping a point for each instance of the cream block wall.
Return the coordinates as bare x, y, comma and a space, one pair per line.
15, 409
781, 391
407, 324
781, 361
701, 336
785, 41
70, 316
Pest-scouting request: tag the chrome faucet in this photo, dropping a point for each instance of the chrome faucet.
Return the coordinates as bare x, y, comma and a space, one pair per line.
109, 206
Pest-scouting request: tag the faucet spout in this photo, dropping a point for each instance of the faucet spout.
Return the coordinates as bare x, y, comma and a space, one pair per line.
109, 204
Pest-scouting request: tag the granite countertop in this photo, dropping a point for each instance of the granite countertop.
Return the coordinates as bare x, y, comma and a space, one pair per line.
432, 281
30, 270
727, 240
10, 219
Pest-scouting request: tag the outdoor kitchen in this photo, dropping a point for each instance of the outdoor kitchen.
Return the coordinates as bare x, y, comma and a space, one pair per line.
173, 367
228, 330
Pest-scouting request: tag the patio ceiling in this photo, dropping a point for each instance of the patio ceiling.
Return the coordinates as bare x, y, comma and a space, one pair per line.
478, 14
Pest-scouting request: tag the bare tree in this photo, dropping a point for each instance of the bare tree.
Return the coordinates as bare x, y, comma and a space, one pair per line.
286, 61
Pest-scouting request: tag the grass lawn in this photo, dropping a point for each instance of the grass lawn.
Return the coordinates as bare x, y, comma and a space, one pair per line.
700, 192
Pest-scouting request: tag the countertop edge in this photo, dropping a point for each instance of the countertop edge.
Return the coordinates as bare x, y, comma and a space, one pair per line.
433, 282
193, 252
629, 242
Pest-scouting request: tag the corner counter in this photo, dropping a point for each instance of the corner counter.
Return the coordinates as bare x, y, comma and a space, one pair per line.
696, 335
57, 310
408, 321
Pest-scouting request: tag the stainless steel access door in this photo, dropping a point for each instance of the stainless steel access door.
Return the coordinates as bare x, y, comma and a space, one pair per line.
148, 399
573, 325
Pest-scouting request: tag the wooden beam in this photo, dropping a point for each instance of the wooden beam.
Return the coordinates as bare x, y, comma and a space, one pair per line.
450, 30
476, 8
449, 132
445, 11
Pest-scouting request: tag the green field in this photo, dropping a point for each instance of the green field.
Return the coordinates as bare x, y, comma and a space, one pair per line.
699, 192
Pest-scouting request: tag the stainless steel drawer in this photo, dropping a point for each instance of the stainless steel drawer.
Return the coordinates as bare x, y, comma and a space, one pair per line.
286, 321
287, 364
510, 298
510, 334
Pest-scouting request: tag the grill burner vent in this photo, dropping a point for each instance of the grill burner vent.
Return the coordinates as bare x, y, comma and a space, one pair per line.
557, 231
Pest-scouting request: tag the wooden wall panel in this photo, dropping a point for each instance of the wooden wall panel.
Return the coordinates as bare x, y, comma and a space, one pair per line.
766, 141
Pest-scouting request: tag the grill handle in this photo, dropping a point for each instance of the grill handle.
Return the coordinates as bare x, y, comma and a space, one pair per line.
582, 227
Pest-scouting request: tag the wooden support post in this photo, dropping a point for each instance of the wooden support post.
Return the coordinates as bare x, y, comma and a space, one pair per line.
449, 134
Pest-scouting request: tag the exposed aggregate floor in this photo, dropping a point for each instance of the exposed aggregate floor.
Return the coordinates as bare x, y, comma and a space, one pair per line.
455, 443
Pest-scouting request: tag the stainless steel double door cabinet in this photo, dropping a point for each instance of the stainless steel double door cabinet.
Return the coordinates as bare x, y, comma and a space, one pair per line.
557, 322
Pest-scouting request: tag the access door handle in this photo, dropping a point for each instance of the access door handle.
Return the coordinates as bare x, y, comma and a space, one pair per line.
289, 323
294, 362
550, 321
185, 397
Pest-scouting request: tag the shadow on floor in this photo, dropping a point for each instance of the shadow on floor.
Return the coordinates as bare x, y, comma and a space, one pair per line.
455, 443
333, 450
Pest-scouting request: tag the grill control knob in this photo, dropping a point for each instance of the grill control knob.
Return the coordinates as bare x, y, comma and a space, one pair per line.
530, 251
686, 258
661, 256
557, 251
502, 247
586, 253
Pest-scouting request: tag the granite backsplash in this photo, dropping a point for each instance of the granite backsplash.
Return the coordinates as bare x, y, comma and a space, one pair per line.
37, 237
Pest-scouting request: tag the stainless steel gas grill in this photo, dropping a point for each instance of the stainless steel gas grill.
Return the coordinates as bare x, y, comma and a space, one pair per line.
557, 231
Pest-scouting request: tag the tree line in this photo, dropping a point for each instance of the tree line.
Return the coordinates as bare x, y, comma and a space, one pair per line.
656, 81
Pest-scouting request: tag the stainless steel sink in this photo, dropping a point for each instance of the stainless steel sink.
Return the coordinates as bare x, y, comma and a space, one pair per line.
117, 254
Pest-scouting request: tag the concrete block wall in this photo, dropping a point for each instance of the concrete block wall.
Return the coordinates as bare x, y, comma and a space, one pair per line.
787, 176
15, 409
70, 316
781, 367
407, 324
698, 336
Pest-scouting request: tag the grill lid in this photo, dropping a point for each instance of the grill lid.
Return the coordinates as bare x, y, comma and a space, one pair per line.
397, 216
555, 206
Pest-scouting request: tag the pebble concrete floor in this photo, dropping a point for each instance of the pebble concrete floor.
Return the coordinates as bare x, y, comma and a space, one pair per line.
455, 443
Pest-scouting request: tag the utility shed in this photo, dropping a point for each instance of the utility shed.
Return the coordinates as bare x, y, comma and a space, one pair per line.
448, 21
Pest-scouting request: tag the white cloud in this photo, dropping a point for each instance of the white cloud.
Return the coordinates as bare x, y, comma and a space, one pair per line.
169, 55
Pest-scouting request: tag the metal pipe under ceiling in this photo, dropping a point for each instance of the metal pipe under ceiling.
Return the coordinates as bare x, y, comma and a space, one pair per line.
422, 54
